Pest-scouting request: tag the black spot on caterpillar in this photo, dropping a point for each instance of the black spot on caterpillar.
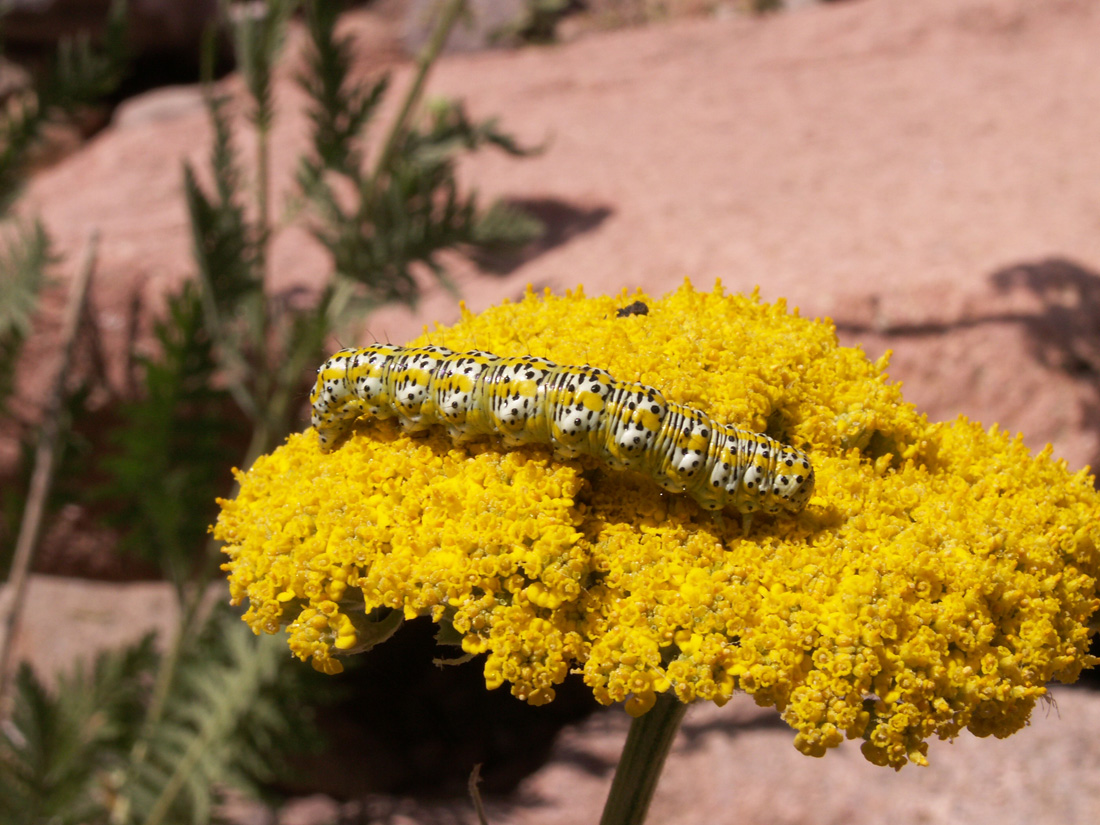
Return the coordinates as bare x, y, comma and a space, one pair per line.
636, 308
576, 410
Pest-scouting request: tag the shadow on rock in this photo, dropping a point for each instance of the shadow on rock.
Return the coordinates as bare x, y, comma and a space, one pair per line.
561, 221
1066, 334
1063, 333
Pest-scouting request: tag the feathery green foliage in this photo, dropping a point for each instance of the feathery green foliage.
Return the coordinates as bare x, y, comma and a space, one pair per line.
258, 34
24, 256
223, 242
414, 210
258, 341
85, 73
233, 709
227, 253
170, 445
340, 109
410, 209
73, 754
61, 751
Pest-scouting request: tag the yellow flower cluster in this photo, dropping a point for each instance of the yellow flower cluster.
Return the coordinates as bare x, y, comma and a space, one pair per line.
938, 579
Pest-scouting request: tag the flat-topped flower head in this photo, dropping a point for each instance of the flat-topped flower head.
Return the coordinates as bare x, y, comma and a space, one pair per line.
937, 579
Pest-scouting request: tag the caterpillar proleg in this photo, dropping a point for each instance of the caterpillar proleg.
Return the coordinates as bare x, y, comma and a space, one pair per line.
576, 410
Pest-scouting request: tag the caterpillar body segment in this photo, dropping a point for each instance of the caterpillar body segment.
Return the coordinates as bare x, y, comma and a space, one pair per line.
576, 410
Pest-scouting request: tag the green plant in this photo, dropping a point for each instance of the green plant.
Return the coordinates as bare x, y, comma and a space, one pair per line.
78, 753
62, 748
24, 256
80, 74
230, 714
232, 364
168, 450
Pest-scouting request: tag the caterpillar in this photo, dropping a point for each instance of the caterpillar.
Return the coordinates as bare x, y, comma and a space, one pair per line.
577, 410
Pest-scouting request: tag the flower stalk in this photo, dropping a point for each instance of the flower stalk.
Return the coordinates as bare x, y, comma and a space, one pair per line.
647, 746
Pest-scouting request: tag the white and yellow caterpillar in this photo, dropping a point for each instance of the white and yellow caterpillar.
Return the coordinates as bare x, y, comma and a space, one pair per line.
576, 410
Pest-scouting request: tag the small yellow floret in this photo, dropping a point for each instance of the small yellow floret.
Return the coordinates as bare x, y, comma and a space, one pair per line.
940, 577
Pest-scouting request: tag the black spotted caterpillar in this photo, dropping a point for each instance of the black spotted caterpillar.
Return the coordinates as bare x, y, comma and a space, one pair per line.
577, 410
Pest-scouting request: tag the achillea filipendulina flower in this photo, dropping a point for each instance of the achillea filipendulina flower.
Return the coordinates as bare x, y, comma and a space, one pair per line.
939, 578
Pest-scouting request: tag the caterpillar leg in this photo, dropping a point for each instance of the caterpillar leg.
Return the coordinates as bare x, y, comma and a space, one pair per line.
719, 520
331, 427
460, 435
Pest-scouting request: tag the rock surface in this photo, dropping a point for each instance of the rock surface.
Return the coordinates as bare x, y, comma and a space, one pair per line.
925, 173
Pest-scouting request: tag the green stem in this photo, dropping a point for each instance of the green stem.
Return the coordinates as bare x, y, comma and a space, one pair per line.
647, 746
167, 670
424, 62
45, 466
263, 192
190, 602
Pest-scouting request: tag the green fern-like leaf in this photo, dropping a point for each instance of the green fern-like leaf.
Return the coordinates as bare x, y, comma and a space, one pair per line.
24, 257
171, 445
410, 210
450, 131
223, 242
62, 749
258, 33
340, 108
229, 717
82, 74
